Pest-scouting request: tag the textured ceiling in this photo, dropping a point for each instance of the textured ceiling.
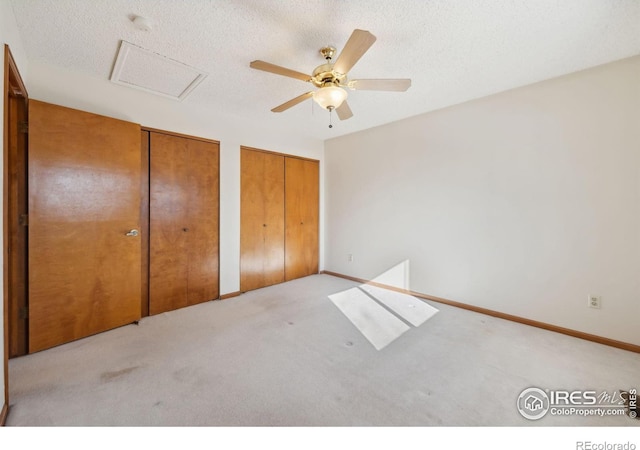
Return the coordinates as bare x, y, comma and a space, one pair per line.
452, 50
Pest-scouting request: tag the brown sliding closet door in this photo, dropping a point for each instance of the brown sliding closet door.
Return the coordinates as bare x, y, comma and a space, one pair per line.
262, 219
84, 205
301, 199
183, 241
278, 219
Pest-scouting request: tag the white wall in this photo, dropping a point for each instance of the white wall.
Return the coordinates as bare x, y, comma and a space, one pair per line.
524, 202
8, 35
55, 85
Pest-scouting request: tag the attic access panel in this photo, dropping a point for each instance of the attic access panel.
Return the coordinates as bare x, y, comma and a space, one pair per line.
149, 71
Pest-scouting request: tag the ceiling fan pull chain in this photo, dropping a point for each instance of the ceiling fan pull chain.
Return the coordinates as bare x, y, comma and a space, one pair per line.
330, 111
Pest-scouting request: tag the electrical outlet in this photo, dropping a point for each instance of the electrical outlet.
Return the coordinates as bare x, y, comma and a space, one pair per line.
595, 301
350, 257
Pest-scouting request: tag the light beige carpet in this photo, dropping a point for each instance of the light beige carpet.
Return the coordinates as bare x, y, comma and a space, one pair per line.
287, 356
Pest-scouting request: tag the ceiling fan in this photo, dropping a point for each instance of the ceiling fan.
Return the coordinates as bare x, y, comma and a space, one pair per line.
331, 78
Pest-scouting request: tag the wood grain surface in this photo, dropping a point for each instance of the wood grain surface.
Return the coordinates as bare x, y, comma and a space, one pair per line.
84, 196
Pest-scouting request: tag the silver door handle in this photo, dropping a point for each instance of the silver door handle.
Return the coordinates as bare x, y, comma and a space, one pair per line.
133, 233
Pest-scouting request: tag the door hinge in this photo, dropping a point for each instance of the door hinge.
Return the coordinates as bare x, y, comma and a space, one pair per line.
24, 127
23, 313
23, 220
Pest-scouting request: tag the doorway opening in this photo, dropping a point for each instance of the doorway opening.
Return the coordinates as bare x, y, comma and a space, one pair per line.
15, 210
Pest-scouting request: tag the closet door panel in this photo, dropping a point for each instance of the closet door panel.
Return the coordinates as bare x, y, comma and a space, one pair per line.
302, 200
183, 243
202, 227
251, 220
273, 188
144, 221
262, 219
168, 259
84, 197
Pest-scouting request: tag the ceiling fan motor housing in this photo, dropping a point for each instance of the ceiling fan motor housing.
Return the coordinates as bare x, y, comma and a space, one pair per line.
324, 75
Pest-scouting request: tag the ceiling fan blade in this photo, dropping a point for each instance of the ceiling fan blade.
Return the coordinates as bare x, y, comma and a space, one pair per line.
356, 46
401, 84
293, 102
268, 67
343, 111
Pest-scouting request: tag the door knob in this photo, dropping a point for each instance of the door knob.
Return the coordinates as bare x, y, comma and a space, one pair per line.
133, 233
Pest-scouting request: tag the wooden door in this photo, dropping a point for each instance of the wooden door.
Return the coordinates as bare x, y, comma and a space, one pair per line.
301, 222
183, 241
167, 222
203, 229
261, 219
84, 198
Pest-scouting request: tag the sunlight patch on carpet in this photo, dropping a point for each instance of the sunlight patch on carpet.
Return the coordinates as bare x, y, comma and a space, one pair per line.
410, 308
378, 325
381, 315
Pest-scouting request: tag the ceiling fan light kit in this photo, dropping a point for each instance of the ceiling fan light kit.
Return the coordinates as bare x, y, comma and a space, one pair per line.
331, 79
330, 97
